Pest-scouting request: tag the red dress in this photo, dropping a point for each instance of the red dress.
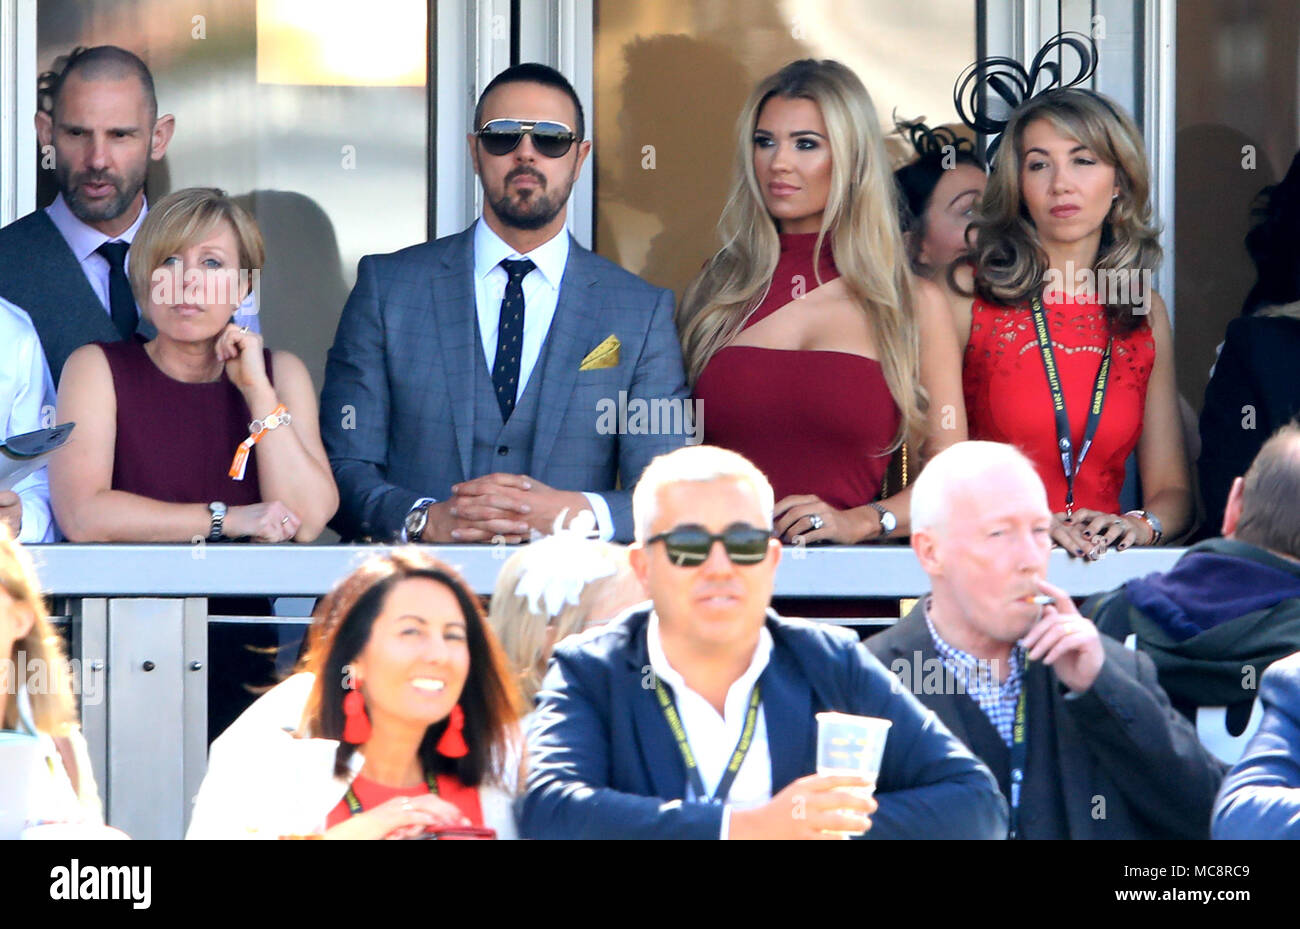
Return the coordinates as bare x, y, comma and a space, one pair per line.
815, 422
371, 794
1008, 400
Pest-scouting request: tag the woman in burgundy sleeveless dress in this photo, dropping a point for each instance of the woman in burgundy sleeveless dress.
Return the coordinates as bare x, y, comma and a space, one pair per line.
160, 425
815, 422
817, 369
1074, 165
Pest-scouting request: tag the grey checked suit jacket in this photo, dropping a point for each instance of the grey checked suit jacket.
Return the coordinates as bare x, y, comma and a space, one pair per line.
397, 408
39, 273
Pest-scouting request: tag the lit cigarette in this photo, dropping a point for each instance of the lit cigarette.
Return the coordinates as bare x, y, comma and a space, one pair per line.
1041, 600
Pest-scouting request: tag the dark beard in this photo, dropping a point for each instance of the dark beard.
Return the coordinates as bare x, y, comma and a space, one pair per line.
127, 189
532, 212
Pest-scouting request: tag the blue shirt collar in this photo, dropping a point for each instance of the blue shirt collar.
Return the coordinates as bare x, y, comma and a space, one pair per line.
82, 238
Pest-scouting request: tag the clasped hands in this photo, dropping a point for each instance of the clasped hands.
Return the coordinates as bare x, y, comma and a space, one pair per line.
400, 818
503, 507
1089, 533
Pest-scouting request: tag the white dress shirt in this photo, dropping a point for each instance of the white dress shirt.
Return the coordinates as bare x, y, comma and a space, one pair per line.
84, 239
26, 391
713, 738
541, 288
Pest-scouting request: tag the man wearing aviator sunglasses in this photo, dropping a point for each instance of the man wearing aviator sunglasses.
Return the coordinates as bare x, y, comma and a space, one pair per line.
463, 391
695, 718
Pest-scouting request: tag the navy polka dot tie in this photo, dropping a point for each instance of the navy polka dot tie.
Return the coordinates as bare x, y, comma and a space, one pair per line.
510, 336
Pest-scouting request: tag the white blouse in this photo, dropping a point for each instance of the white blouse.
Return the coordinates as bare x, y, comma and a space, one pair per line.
263, 782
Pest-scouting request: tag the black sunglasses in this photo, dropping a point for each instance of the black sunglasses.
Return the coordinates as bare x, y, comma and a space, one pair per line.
689, 546
502, 136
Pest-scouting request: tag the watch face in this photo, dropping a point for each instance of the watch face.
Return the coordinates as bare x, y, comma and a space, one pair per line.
415, 521
888, 522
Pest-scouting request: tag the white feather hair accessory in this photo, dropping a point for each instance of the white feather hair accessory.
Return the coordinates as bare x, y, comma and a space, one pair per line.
558, 567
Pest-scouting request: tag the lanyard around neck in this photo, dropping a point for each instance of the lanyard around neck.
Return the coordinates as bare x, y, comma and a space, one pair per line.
1019, 756
1063, 440
354, 805
738, 754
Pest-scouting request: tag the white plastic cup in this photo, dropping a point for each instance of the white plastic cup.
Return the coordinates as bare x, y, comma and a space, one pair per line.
851, 745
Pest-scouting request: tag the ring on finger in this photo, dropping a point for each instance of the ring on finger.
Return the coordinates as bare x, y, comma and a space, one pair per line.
816, 521
284, 520
243, 328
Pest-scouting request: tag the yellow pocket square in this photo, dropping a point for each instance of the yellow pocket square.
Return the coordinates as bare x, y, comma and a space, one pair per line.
604, 355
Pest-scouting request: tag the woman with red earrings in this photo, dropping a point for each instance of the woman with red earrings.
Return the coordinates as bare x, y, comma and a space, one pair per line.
399, 725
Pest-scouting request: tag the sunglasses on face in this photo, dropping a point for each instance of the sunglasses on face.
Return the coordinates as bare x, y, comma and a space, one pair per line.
689, 546
502, 136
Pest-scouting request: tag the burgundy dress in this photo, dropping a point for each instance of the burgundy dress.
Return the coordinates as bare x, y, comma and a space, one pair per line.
815, 422
175, 440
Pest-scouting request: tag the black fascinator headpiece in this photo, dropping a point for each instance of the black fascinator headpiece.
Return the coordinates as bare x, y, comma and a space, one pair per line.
985, 82
932, 143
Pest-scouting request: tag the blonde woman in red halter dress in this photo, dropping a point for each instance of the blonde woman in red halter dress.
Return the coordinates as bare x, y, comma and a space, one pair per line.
1067, 200
817, 369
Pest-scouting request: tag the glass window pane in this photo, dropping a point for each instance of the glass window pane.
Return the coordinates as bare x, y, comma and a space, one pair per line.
317, 122
1237, 132
671, 77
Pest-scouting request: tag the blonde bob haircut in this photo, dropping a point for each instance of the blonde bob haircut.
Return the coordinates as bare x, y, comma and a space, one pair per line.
1010, 262
860, 221
38, 655
526, 635
184, 218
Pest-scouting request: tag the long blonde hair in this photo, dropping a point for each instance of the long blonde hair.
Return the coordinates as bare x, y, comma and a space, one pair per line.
54, 711
1010, 262
860, 220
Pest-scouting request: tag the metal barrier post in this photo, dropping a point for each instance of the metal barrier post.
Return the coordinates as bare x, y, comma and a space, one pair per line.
90, 656
146, 684
195, 689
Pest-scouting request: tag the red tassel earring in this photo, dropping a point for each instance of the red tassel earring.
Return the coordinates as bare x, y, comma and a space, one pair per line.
356, 724
452, 744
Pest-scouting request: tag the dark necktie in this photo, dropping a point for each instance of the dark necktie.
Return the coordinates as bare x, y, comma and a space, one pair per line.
121, 302
510, 336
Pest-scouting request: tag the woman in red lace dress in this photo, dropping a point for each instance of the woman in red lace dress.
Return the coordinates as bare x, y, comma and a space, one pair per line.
1062, 268
817, 369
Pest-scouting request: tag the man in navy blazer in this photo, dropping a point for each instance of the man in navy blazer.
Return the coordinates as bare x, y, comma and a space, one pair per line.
480, 385
636, 721
1260, 798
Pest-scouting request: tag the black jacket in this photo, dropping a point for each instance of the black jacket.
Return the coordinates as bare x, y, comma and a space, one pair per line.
1254, 390
1117, 762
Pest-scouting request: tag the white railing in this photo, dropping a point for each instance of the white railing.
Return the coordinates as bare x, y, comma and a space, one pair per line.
140, 619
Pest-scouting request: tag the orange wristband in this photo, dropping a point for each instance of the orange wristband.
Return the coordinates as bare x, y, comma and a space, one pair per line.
256, 429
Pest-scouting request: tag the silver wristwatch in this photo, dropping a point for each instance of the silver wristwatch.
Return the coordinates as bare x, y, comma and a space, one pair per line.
1152, 521
888, 521
218, 511
416, 520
